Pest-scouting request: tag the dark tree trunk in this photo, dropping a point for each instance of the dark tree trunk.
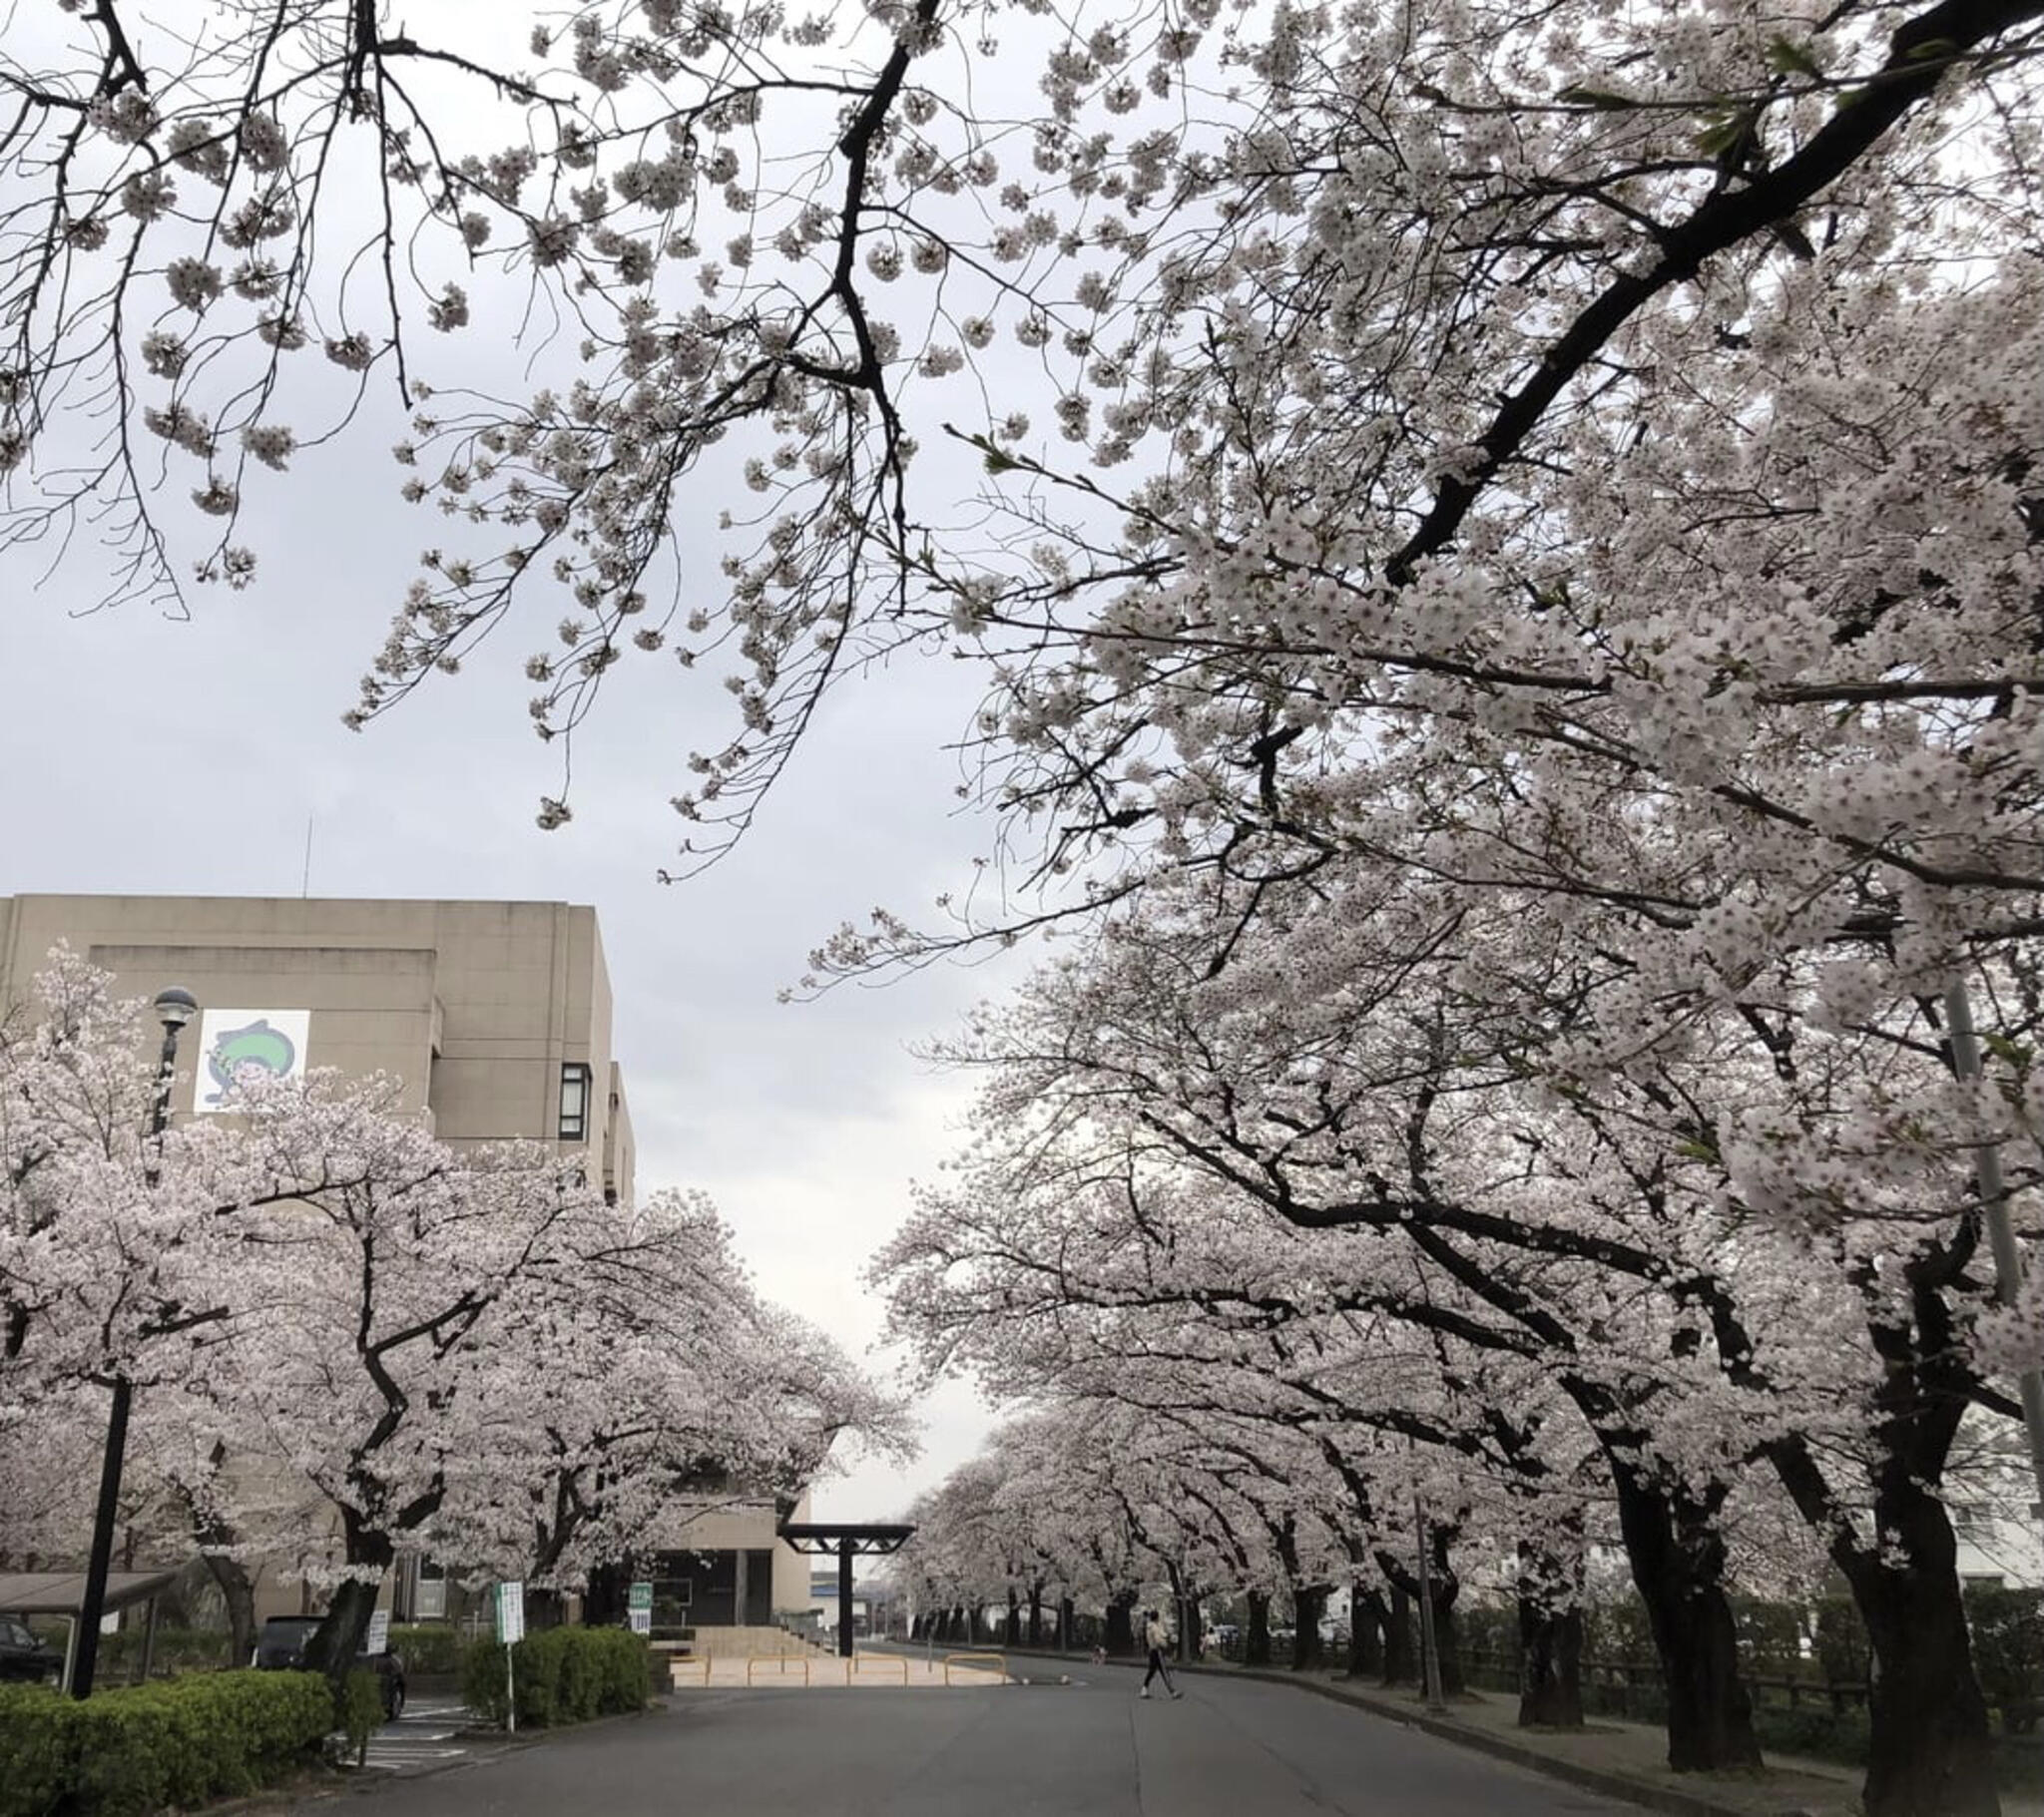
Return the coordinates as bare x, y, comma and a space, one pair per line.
1121, 1631
1256, 1641
339, 1639
604, 1603
1011, 1630
1446, 1588
1931, 1751
1550, 1663
1550, 1634
1188, 1628
545, 1609
1036, 1614
1402, 1656
1067, 1638
1447, 1641
1365, 1632
238, 1593
1307, 1600
1678, 1563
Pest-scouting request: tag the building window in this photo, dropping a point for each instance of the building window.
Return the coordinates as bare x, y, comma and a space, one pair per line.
575, 1101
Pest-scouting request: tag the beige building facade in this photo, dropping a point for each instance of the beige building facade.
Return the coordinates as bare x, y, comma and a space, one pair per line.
495, 1015
497, 1018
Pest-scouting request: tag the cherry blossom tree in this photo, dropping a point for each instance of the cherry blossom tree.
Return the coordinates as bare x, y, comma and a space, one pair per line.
346, 1337
1615, 1221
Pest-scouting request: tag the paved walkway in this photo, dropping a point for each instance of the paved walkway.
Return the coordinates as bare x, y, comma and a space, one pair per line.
1623, 1759
960, 1669
1230, 1747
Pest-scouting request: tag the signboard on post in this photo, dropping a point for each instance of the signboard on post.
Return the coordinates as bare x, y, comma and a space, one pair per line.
510, 1613
638, 1607
510, 1630
378, 1641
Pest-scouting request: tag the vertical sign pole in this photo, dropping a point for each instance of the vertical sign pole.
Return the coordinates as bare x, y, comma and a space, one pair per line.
844, 1599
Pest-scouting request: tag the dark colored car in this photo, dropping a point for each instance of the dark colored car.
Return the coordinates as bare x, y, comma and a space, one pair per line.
24, 1657
280, 1647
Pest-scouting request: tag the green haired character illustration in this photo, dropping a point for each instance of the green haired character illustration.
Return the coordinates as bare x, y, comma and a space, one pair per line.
254, 1044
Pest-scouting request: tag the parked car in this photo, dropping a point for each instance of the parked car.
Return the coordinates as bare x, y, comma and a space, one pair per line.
24, 1658
280, 1647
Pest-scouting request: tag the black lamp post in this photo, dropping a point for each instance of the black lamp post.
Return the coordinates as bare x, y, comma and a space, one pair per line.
174, 1009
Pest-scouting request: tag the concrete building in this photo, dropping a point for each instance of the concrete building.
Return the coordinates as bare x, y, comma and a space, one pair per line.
496, 1015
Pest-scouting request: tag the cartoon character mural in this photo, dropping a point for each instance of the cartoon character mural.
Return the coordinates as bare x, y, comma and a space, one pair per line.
230, 1039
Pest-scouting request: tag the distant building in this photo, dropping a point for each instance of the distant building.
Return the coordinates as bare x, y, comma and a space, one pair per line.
496, 1015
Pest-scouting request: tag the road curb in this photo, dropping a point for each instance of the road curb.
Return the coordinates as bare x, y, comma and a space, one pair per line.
1642, 1792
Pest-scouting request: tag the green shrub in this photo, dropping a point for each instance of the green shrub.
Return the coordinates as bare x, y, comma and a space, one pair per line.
128, 1752
38, 1743
562, 1674
429, 1647
1814, 1729
1844, 1654
2008, 1649
359, 1710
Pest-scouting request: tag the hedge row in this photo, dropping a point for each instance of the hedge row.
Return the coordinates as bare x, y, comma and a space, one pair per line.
562, 1674
126, 1753
429, 1647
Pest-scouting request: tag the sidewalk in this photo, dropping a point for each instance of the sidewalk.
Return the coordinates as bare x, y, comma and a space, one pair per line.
1620, 1759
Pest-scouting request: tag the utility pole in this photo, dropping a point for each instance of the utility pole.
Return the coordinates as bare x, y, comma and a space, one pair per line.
2001, 1236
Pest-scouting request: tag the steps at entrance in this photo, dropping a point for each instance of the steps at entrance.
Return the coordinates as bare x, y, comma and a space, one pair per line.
735, 1644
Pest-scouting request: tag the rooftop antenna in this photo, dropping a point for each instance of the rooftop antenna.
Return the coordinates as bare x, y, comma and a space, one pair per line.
306, 876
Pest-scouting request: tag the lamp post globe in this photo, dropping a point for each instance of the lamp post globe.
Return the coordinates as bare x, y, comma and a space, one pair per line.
174, 1007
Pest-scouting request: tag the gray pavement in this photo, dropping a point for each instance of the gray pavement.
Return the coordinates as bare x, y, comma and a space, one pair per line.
1227, 1748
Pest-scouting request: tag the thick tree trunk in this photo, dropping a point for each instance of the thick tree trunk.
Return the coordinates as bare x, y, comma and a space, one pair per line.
1036, 1614
339, 1639
1307, 1600
1550, 1664
238, 1593
1401, 1653
1930, 1753
1447, 1643
1255, 1643
603, 1601
1066, 1639
1365, 1632
1121, 1630
1678, 1563
1188, 1628
1011, 1630
1447, 1588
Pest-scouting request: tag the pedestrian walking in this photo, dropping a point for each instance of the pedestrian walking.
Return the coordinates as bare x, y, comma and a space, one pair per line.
1156, 1639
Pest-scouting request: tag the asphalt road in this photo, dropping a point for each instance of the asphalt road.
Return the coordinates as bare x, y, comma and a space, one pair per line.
1227, 1748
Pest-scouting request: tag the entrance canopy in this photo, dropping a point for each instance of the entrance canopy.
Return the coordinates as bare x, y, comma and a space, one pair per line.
848, 1540
863, 1539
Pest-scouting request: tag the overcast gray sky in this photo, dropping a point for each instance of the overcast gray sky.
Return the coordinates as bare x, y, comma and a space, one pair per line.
152, 756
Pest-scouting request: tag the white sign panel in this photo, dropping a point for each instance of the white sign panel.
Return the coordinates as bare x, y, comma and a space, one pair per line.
378, 1641
270, 1041
510, 1612
642, 1620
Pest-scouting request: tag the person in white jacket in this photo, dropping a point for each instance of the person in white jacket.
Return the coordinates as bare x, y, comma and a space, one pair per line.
1156, 1639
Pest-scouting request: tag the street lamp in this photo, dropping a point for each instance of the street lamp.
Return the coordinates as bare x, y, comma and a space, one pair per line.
174, 1009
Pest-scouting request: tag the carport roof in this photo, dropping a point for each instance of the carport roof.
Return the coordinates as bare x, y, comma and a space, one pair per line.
62, 1593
